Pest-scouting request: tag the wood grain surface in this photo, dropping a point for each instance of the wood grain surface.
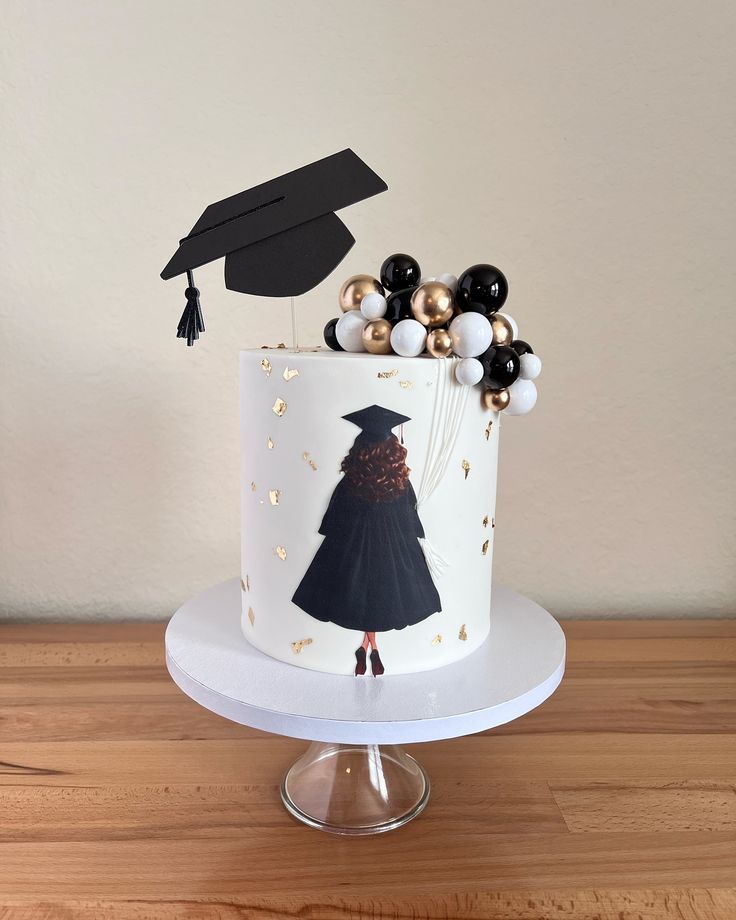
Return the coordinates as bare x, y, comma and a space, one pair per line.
121, 799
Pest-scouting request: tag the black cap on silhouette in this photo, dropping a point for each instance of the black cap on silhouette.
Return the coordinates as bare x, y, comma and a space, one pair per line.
376, 421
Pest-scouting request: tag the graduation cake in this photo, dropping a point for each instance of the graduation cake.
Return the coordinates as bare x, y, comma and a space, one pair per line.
368, 467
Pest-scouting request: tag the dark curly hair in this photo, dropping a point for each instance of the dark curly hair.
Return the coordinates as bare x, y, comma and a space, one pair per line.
376, 469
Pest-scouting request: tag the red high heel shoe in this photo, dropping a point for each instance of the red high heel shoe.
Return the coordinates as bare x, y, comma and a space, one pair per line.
376, 664
360, 661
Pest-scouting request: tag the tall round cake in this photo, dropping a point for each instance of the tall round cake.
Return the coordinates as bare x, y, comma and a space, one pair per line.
368, 503
369, 468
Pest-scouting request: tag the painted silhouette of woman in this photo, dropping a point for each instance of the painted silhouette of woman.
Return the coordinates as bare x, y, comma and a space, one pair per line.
370, 573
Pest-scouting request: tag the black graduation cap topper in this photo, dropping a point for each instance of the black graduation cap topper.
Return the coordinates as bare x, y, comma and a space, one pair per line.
280, 238
376, 422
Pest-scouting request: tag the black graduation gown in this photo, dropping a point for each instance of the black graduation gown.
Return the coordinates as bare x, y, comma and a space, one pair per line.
370, 573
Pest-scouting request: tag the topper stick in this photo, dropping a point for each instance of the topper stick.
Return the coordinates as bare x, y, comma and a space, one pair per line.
294, 337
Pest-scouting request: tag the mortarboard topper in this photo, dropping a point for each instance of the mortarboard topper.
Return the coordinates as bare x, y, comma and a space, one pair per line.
376, 421
279, 239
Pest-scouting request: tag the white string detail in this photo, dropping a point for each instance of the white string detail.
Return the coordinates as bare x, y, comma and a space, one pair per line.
435, 563
450, 400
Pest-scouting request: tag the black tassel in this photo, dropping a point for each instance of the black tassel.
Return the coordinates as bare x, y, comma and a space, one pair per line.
191, 322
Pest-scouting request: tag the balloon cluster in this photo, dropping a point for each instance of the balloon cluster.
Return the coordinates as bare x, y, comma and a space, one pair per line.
406, 314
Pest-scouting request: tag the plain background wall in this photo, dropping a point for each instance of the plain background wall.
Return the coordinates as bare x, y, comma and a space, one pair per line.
587, 148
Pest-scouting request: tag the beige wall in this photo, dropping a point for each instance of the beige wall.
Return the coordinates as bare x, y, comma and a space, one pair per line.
586, 148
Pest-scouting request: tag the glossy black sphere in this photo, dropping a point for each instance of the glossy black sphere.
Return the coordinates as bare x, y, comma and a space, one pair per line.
481, 289
398, 305
400, 271
500, 367
521, 347
330, 337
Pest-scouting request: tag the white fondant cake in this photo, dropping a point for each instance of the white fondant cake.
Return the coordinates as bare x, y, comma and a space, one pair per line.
316, 584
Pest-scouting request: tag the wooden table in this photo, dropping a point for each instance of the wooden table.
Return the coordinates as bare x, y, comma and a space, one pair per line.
616, 800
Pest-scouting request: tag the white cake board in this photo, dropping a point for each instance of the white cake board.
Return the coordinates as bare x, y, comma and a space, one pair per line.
517, 668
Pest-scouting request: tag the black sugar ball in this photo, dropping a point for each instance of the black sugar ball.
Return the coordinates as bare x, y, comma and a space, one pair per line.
500, 367
521, 347
400, 271
398, 306
330, 337
482, 289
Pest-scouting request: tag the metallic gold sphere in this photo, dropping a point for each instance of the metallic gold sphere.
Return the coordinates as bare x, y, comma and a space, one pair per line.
354, 290
377, 337
439, 343
495, 399
503, 331
432, 303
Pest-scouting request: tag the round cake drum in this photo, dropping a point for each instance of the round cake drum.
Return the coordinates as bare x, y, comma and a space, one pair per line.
517, 668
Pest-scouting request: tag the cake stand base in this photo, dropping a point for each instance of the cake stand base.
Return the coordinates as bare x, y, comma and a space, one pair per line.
354, 789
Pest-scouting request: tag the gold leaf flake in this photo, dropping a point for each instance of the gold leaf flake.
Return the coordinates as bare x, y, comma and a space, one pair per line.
437, 639
488, 429
281, 345
493, 523
274, 495
279, 407
386, 375
485, 521
305, 456
251, 616
290, 373
246, 584
280, 552
269, 444
484, 550
252, 487
405, 384
266, 367
297, 646
463, 634
466, 466
313, 464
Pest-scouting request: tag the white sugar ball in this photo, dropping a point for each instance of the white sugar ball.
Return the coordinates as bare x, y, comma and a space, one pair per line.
531, 366
512, 322
471, 334
469, 371
408, 338
349, 330
449, 280
522, 397
373, 306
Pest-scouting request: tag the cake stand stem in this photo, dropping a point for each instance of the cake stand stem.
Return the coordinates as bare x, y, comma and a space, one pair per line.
355, 789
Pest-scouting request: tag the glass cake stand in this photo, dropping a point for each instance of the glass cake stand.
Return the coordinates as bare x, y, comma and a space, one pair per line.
355, 788
354, 778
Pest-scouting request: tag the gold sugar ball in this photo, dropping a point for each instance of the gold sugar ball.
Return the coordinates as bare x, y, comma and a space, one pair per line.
432, 303
495, 399
503, 333
354, 290
439, 343
377, 337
